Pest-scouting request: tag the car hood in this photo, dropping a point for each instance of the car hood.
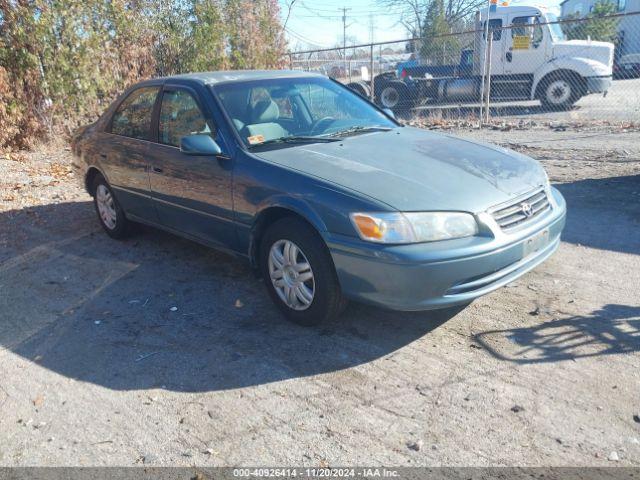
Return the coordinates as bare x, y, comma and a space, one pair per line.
412, 169
596, 51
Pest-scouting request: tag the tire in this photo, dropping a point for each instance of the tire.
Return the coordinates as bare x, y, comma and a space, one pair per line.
360, 88
324, 299
395, 95
110, 213
561, 90
335, 72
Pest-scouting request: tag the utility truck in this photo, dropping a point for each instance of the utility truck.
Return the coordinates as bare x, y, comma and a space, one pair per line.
530, 59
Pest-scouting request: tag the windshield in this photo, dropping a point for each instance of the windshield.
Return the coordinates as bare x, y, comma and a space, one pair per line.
266, 110
557, 34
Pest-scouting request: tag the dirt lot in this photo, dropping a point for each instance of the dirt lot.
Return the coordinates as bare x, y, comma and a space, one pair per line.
96, 368
622, 103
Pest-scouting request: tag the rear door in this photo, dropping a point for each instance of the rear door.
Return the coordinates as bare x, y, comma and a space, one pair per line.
123, 152
192, 194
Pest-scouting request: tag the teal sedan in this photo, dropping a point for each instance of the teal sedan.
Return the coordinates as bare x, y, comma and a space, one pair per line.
325, 194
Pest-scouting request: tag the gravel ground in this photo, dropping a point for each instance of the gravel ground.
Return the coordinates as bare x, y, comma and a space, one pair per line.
97, 369
622, 103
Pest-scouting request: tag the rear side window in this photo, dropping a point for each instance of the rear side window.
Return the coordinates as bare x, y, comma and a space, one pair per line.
179, 116
133, 116
495, 24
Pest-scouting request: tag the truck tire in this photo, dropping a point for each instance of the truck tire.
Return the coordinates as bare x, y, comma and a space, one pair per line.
361, 88
560, 90
395, 95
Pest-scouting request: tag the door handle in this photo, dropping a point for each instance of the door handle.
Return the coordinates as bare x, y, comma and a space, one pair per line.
103, 155
156, 169
509, 56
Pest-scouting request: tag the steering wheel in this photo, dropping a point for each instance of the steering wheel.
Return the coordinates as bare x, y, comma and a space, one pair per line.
324, 122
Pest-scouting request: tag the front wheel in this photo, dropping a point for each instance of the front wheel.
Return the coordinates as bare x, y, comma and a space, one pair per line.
299, 273
560, 93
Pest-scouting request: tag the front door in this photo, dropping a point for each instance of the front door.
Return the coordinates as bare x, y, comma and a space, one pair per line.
525, 45
192, 194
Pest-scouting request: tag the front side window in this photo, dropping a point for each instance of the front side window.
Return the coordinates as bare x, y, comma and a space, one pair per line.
263, 110
133, 116
179, 116
528, 27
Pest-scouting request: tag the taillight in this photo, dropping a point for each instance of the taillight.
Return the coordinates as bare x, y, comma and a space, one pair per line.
403, 73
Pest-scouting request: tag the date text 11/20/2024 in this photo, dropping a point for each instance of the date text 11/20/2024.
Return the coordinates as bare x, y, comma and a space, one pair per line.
316, 472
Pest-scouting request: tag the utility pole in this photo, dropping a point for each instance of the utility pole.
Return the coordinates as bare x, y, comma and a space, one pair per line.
344, 36
371, 61
372, 28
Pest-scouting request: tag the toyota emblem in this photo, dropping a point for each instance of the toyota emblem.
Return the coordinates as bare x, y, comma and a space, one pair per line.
526, 209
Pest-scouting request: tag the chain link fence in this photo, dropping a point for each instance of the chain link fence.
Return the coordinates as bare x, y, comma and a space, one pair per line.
523, 63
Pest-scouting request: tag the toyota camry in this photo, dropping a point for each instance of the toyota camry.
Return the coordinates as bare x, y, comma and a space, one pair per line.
325, 194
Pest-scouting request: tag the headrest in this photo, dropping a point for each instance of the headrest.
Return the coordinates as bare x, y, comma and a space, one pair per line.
238, 123
265, 111
192, 118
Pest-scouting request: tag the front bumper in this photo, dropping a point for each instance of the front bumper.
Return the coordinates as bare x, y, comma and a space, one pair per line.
442, 274
599, 84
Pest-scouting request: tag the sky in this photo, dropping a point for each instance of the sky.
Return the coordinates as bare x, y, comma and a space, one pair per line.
319, 22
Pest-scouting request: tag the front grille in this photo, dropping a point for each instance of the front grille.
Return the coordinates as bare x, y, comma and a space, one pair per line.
522, 210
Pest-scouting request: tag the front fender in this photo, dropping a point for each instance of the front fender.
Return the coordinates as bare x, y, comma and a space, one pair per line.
585, 67
296, 205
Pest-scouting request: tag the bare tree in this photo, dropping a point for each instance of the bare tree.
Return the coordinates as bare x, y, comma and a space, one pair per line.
459, 10
289, 4
412, 12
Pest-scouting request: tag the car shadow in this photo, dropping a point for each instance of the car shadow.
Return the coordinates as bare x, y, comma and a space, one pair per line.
603, 213
157, 311
614, 329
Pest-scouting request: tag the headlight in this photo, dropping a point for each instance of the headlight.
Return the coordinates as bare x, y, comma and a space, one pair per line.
413, 227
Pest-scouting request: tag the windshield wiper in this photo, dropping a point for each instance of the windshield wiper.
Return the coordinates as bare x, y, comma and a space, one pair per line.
348, 131
295, 139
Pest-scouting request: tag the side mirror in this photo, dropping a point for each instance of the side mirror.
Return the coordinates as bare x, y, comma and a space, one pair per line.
389, 112
199, 144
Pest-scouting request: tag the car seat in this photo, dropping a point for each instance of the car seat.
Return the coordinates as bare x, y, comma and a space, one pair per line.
263, 118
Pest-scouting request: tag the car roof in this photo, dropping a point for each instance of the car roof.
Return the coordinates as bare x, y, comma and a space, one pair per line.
231, 76
513, 10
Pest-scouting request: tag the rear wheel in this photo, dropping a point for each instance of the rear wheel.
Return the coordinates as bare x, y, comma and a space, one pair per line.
390, 97
395, 95
110, 213
360, 88
299, 274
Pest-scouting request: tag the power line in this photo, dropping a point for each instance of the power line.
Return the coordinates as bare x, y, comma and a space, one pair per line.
356, 11
304, 39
